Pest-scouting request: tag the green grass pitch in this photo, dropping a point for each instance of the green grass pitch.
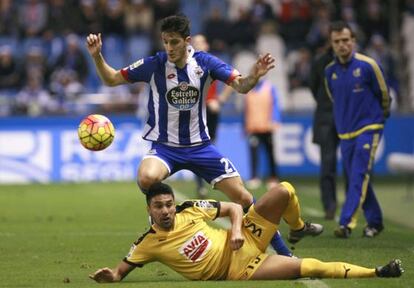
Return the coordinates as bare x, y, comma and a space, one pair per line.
55, 235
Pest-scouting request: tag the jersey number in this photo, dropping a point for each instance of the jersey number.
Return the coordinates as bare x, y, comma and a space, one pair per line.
226, 163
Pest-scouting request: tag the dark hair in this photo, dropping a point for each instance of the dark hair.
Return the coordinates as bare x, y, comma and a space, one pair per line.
176, 23
158, 188
338, 26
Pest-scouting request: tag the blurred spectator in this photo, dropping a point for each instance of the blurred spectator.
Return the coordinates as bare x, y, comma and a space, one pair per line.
301, 69
65, 87
216, 29
379, 51
60, 18
89, 18
32, 16
262, 119
373, 19
139, 17
35, 65
319, 31
164, 8
33, 100
113, 17
9, 70
8, 18
243, 31
261, 11
73, 59
295, 20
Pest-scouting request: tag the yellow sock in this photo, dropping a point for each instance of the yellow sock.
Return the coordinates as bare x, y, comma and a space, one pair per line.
311, 267
292, 212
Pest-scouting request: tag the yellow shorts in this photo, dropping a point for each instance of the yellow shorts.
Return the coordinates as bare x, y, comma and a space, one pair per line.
257, 232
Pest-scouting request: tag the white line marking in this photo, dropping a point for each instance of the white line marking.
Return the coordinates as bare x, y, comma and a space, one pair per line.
313, 212
313, 283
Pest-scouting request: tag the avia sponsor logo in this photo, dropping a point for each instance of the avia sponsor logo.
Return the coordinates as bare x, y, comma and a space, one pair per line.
25, 156
195, 248
183, 97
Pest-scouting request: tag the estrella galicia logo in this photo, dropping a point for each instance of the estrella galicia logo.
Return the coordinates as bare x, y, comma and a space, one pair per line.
183, 96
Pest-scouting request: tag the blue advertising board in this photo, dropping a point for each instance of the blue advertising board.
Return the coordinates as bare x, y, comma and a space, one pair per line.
48, 150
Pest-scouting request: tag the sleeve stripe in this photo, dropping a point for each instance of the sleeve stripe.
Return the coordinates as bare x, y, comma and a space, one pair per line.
232, 76
218, 210
381, 81
124, 74
133, 264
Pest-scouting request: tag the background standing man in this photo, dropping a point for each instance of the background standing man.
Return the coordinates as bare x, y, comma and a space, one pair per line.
361, 104
324, 134
261, 119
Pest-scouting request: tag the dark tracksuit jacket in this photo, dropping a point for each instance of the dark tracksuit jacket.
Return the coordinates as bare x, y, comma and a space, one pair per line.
361, 105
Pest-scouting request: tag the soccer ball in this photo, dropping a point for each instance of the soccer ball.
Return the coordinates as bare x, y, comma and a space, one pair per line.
96, 132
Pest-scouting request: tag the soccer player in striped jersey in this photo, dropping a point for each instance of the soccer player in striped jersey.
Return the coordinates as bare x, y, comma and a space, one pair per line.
179, 78
181, 239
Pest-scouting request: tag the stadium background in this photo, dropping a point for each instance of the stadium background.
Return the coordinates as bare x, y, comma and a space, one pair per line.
48, 83
52, 234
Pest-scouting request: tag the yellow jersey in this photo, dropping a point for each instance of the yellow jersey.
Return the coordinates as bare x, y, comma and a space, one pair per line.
192, 248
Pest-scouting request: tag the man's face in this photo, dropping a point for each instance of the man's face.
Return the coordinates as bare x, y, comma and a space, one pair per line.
175, 46
342, 43
162, 211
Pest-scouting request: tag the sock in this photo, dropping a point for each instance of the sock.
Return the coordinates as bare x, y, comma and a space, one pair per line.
277, 241
311, 267
292, 212
279, 245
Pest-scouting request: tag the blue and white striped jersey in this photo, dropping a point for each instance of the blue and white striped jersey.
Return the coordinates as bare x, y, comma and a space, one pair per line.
176, 105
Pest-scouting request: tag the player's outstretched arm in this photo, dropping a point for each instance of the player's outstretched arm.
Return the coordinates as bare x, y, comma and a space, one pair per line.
235, 212
108, 75
107, 275
259, 69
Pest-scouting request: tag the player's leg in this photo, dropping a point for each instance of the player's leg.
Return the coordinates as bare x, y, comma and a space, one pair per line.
362, 160
254, 142
234, 189
281, 202
221, 173
279, 267
150, 171
267, 139
327, 180
373, 214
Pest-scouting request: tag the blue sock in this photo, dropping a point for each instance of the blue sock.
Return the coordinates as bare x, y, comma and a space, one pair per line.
279, 245
277, 242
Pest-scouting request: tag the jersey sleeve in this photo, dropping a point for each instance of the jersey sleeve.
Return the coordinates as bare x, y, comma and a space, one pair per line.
220, 70
141, 70
379, 87
205, 209
139, 253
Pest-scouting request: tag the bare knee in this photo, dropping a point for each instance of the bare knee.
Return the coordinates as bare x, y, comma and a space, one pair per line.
244, 198
235, 190
280, 192
147, 178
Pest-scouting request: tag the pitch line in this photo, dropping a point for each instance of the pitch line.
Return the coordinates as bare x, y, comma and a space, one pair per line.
225, 223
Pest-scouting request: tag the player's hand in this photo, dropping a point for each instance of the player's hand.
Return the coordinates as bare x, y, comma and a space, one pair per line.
104, 275
263, 65
94, 44
236, 241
